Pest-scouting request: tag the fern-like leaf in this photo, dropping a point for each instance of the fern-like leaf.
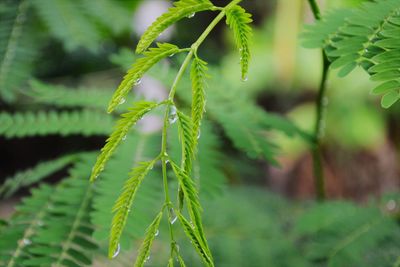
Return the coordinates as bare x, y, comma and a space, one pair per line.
18, 48
151, 57
66, 97
136, 148
238, 20
85, 122
192, 200
187, 139
196, 241
67, 22
121, 130
363, 37
124, 203
181, 9
33, 175
198, 77
144, 249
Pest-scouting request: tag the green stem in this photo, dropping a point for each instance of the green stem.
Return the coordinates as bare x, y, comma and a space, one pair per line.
170, 102
315, 9
319, 179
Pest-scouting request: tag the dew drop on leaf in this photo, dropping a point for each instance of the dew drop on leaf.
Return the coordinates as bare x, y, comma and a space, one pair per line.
26, 242
157, 233
191, 15
117, 251
244, 79
172, 55
198, 134
173, 216
138, 81
124, 138
172, 117
122, 101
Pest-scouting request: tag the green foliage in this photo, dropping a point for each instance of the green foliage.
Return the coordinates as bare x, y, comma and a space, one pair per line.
68, 22
151, 233
124, 202
67, 97
52, 226
238, 20
142, 65
198, 75
120, 133
135, 149
18, 48
35, 174
366, 37
181, 9
196, 241
340, 234
188, 140
85, 122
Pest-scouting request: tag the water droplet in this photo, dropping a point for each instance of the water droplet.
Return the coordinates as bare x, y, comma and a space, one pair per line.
172, 55
124, 138
198, 134
147, 259
173, 216
244, 79
172, 117
138, 81
391, 205
116, 251
26, 242
191, 15
177, 247
166, 161
122, 101
157, 233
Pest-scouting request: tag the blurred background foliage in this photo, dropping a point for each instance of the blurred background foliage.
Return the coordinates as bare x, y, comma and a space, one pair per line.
61, 60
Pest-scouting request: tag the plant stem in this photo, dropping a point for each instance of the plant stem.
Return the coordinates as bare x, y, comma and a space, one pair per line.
319, 179
315, 9
164, 155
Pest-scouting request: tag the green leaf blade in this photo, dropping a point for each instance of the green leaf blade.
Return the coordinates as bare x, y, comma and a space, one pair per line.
238, 20
181, 9
124, 203
144, 250
139, 68
121, 130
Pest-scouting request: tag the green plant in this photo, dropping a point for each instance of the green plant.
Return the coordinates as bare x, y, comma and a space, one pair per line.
69, 223
188, 126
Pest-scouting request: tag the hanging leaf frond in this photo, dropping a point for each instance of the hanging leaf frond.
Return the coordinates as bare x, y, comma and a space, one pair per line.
181, 9
144, 250
196, 241
198, 77
151, 57
124, 203
188, 141
121, 130
238, 20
